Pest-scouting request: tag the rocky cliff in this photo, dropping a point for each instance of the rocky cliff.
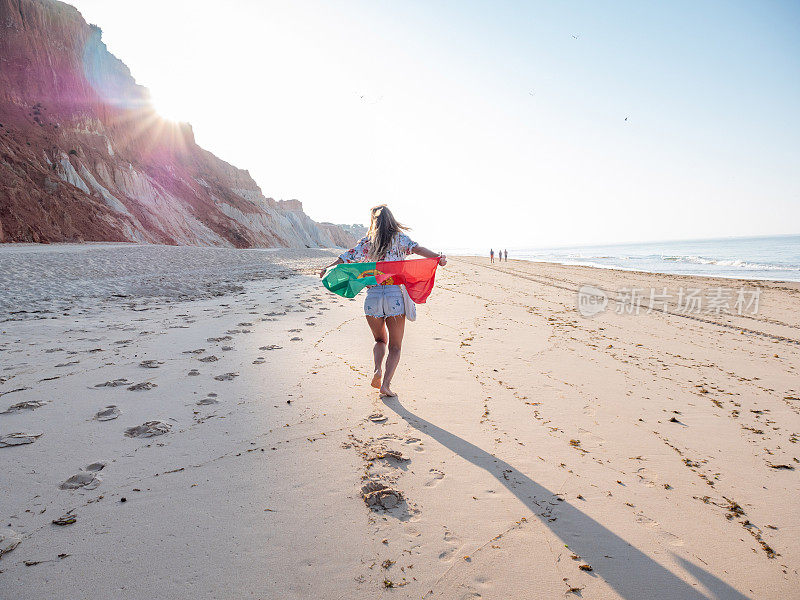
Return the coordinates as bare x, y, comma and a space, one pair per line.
355, 230
85, 157
339, 235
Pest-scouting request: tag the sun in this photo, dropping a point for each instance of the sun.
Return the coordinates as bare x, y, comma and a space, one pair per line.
170, 107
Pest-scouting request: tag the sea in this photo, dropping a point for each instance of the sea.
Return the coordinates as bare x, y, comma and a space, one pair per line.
775, 258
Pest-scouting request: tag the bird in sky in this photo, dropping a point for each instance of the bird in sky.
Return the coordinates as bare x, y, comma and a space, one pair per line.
575, 36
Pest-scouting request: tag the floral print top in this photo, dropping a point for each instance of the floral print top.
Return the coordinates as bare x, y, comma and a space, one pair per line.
402, 245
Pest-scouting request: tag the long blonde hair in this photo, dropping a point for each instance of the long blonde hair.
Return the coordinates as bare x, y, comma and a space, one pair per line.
383, 227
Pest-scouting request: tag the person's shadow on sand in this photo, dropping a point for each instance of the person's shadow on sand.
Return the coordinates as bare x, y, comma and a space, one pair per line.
633, 574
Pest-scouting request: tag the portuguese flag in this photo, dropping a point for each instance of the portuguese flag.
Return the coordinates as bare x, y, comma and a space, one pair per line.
417, 275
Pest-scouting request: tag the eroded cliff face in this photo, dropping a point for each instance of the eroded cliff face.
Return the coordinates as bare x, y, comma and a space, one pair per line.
339, 236
355, 230
85, 157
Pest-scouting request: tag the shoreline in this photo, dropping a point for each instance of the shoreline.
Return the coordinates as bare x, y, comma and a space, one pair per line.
621, 269
527, 441
637, 271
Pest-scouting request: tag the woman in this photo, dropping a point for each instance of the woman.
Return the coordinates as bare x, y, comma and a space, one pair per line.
383, 305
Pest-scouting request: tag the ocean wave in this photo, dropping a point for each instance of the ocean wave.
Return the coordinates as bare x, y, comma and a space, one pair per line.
730, 262
768, 258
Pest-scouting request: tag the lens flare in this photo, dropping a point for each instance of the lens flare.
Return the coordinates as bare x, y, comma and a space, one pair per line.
172, 108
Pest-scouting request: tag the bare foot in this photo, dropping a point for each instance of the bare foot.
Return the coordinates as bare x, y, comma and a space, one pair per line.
376, 379
386, 392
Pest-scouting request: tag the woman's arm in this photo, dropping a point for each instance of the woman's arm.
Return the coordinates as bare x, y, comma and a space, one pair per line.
423, 251
347, 256
338, 261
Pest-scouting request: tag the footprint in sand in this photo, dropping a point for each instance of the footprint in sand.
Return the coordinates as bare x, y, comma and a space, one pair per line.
143, 387
151, 364
377, 417
226, 348
436, 477
296, 339
271, 347
18, 439
379, 495
379, 451
20, 406
148, 429
67, 364
646, 477
294, 330
115, 383
211, 399
652, 524
9, 539
226, 376
219, 339
453, 543
193, 373
197, 351
87, 478
415, 443
208, 359
259, 361
245, 324
108, 413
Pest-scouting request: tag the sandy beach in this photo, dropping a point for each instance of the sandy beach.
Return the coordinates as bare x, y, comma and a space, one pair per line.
198, 423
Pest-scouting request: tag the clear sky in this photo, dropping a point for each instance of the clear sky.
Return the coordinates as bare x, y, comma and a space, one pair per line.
490, 123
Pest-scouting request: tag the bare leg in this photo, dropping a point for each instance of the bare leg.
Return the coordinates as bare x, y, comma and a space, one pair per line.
379, 350
396, 326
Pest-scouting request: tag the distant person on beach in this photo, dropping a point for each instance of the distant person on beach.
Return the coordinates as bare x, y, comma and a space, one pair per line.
384, 306
506, 253
491, 255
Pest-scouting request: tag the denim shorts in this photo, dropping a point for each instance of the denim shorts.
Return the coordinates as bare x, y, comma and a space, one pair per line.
384, 301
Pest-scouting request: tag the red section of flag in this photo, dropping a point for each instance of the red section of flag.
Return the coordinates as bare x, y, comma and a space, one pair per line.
416, 275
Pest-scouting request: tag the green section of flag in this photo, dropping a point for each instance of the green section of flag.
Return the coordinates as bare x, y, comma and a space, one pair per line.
348, 279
